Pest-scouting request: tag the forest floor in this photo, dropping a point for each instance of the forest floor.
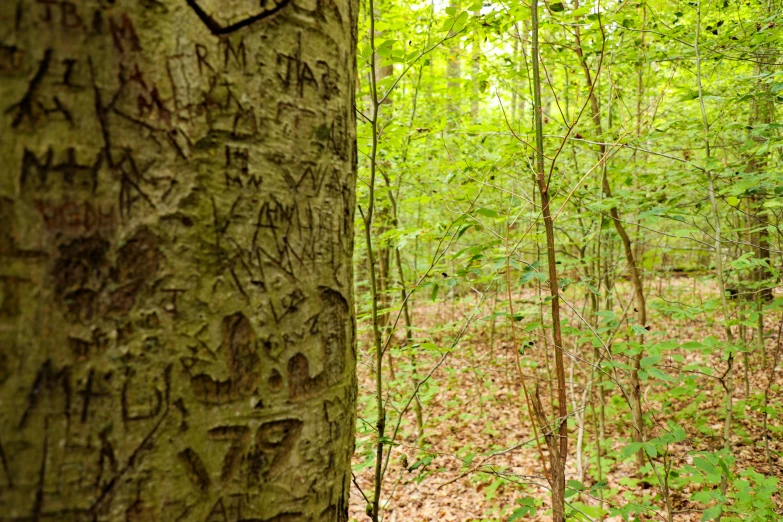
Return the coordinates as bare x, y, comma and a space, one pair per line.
474, 407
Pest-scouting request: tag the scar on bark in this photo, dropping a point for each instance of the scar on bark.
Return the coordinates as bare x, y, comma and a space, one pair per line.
278, 438
218, 29
25, 105
108, 491
138, 260
82, 273
240, 437
334, 342
244, 365
6, 469
47, 381
195, 469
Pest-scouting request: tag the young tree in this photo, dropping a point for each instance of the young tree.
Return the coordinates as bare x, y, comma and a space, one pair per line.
177, 198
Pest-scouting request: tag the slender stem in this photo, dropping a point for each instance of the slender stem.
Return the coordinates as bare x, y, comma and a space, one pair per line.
727, 380
633, 270
558, 445
381, 424
766, 398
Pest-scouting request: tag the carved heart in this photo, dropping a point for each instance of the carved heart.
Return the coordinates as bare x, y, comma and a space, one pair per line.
227, 16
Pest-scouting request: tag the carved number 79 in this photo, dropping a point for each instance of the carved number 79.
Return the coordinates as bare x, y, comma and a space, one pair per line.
273, 442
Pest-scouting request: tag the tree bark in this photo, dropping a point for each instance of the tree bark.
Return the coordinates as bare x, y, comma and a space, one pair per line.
176, 332
762, 112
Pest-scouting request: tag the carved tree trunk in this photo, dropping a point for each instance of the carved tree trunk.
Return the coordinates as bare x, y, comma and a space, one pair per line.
176, 213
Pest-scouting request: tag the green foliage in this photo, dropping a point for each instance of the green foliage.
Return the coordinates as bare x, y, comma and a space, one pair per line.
527, 509
454, 196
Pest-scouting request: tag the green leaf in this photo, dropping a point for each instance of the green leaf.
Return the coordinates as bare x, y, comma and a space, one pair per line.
638, 329
461, 22
712, 513
733, 201
679, 433
630, 449
487, 212
706, 466
428, 346
463, 229
528, 508
651, 360
533, 326
425, 461
655, 372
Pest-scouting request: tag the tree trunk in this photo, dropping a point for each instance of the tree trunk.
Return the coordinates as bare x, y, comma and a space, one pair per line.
762, 113
176, 335
636, 278
556, 433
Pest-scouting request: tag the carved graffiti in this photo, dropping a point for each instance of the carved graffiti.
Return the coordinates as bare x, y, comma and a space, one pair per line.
243, 364
82, 271
179, 190
256, 457
211, 14
333, 338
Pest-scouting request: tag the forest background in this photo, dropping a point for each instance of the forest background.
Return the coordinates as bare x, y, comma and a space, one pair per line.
567, 265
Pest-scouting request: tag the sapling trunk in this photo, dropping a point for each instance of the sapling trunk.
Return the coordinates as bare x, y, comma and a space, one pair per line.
765, 410
633, 270
374, 508
492, 330
727, 379
557, 439
417, 410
